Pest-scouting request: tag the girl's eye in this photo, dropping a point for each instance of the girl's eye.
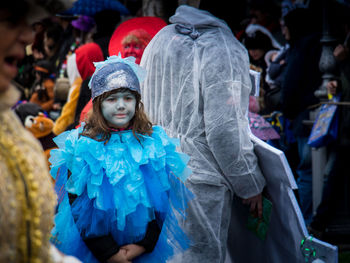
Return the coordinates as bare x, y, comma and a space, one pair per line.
111, 99
128, 98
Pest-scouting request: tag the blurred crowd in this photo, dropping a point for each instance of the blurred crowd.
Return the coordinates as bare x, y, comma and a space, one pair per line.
285, 44
283, 40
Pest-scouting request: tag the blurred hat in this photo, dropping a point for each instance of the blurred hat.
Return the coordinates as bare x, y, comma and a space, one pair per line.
34, 10
138, 36
289, 5
43, 66
258, 40
149, 24
40, 9
27, 108
258, 36
92, 7
300, 22
86, 55
84, 23
61, 89
66, 17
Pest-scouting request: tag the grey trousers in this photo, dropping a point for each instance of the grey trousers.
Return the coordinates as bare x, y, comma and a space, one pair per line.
207, 223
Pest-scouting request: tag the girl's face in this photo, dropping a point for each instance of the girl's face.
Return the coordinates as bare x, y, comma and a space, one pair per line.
119, 109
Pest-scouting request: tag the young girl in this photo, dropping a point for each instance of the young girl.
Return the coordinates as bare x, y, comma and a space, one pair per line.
119, 180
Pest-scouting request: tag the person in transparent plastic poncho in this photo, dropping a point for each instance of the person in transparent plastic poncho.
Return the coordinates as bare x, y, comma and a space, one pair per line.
198, 89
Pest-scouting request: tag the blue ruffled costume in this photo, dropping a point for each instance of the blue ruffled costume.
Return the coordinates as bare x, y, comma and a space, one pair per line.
121, 186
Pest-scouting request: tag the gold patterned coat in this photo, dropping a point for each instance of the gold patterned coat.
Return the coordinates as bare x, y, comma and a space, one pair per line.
27, 199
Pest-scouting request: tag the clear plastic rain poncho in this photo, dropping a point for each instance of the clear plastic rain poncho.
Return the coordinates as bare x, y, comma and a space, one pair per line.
197, 88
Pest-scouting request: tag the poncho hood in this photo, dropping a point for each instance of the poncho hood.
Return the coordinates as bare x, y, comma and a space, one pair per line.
190, 16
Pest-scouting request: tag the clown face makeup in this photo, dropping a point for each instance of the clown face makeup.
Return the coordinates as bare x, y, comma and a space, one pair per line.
119, 109
135, 50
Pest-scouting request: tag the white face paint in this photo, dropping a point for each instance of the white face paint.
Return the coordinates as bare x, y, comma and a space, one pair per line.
119, 108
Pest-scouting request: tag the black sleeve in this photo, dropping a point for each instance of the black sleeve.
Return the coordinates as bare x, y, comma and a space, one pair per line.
102, 247
151, 237
274, 70
302, 77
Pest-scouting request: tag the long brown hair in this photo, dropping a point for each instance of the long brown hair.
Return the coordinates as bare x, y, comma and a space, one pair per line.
97, 127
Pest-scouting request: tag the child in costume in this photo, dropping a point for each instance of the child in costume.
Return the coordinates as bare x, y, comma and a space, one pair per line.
119, 180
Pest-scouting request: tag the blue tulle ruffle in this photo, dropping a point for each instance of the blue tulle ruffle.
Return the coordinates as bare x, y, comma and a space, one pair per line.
121, 186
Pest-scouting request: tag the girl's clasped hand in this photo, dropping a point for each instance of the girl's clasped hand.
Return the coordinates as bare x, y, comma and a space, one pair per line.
126, 254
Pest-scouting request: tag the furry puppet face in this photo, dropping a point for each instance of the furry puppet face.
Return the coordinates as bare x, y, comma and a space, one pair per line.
39, 126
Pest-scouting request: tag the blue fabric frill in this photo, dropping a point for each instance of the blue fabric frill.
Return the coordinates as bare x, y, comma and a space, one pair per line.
121, 186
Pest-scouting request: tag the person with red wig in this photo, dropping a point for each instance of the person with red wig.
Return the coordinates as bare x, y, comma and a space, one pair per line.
135, 43
134, 34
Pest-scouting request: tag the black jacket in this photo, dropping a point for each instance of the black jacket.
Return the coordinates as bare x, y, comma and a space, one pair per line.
302, 78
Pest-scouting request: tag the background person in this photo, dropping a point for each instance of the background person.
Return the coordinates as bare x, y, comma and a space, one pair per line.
302, 77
